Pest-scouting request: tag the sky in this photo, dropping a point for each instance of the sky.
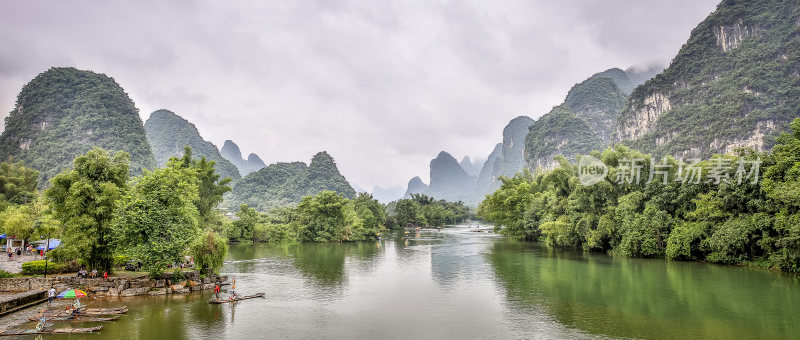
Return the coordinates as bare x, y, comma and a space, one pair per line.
383, 86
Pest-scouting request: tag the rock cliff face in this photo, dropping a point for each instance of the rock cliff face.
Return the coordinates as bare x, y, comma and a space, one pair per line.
559, 133
488, 179
472, 169
168, 133
513, 143
733, 84
65, 112
231, 152
448, 180
586, 119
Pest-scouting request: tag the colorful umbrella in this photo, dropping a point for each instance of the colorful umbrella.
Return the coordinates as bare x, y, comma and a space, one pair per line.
72, 294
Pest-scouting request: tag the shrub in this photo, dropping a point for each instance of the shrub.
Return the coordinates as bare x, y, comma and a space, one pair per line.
121, 260
37, 267
177, 275
4, 274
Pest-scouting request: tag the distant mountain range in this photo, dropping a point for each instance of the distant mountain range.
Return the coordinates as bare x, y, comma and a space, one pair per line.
230, 151
735, 83
168, 133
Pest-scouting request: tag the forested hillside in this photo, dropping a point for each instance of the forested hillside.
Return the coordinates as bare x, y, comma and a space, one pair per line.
64, 112
282, 184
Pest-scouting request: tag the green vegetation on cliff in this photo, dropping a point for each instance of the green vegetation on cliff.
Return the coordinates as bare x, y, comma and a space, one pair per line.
732, 222
169, 133
734, 83
559, 132
65, 112
282, 184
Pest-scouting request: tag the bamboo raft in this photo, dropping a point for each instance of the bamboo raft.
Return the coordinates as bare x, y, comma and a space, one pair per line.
218, 301
90, 312
79, 318
50, 331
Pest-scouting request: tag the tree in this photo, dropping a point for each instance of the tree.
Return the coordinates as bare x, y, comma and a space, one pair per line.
371, 212
210, 186
17, 183
329, 216
244, 227
209, 251
407, 212
17, 221
157, 219
83, 200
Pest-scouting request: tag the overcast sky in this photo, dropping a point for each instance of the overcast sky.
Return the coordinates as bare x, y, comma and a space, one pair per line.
383, 86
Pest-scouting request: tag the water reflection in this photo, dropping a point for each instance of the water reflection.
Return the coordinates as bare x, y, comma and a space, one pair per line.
646, 298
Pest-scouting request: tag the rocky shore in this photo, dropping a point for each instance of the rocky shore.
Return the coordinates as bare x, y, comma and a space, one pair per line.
117, 286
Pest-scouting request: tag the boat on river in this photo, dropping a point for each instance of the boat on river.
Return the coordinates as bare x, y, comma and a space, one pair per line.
80, 318
50, 331
90, 312
218, 301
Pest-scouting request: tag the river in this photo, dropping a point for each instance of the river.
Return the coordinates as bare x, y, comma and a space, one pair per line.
457, 284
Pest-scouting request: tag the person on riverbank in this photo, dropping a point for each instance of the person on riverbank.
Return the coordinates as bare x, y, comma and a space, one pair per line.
51, 294
94, 273
105, 276
216, 290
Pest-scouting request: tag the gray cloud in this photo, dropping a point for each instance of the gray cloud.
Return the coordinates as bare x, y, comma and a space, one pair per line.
383, 86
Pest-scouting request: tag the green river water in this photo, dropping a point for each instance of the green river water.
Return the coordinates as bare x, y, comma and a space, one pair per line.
457, 284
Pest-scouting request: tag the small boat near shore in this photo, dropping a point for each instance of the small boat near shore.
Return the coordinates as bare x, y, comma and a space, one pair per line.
89, 312
80, 318
218, 301
50, 331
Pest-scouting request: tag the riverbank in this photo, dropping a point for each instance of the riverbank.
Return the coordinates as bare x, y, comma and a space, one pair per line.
96, 289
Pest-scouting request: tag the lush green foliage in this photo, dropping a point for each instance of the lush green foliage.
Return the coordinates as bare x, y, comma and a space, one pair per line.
63, 113
725, 223
83, 200
157, 220
38, 267
421, 210
17, 183
283, 184
325, 217
210, 187
209, 251
168, 134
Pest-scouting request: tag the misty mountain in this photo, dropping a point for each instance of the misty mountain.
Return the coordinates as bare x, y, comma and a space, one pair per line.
386, 195
231, 152
415, 186
448, 180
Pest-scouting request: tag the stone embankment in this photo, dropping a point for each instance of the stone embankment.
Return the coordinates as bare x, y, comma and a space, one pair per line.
116, 286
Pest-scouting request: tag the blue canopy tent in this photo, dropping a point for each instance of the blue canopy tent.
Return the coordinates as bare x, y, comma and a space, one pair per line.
54, 242
2, 236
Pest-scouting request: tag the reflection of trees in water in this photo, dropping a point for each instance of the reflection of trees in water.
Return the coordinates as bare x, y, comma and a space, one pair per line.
643, 298
324, 263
